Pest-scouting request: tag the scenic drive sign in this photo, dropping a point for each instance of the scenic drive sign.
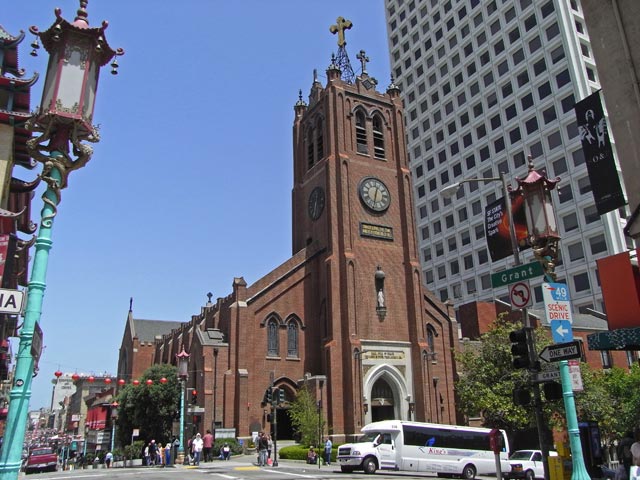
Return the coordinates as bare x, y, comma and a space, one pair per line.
557, 306
516, 274
561, 351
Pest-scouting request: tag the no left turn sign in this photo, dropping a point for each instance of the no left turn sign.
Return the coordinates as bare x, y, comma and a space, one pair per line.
520, 294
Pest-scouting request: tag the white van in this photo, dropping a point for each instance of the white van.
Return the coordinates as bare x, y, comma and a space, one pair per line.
447, 450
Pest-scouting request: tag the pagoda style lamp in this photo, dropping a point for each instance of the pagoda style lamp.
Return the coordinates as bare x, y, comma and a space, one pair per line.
541, 220
183, 374
114, 418
63, 120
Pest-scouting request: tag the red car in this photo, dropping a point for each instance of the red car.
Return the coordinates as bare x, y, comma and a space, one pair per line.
41, 459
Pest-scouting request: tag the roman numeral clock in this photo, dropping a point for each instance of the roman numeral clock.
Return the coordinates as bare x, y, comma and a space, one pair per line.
374, 194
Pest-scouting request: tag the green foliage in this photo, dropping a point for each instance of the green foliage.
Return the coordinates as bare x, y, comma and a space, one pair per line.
134, 450
304, 417
236, 448
487, 378
150, 408
299, 452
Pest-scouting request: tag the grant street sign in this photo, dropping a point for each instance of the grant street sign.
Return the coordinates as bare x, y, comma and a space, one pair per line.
516, 274
546, 376
561, 351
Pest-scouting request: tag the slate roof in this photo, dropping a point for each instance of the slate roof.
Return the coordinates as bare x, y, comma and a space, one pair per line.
147, 330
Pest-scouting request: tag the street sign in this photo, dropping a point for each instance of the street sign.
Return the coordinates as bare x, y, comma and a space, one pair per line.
546, 376
576, 376
516, 274
520, 295
557, 306
11, 301
561, 351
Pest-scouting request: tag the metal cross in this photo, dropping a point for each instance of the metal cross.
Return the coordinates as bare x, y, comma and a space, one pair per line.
342, 25
362, 56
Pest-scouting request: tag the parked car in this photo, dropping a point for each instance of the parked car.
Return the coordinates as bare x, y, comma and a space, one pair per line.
41, 459
526, 464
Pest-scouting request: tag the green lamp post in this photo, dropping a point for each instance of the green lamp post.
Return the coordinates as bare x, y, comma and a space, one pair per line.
76, 54
183, 374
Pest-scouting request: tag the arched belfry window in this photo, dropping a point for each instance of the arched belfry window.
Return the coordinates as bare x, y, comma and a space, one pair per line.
319, 140
430, 339
361, 133
273, 344
378, 137
292, 339
310, 146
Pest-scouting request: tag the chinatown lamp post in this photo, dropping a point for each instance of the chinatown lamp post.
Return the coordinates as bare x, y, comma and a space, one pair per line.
448, 192
183, 374
76, 53
114, 417
543, 236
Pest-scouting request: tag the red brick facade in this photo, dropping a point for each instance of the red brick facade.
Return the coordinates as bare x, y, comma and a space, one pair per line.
318, 318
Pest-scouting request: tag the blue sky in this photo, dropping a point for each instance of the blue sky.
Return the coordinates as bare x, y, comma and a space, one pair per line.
191, 183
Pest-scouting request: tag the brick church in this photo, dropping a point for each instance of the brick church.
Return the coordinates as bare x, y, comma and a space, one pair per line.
347, 315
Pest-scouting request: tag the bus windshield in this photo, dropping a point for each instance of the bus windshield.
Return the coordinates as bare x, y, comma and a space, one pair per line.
369, 437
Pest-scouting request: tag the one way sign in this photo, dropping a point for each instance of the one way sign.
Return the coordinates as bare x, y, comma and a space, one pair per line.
561, 351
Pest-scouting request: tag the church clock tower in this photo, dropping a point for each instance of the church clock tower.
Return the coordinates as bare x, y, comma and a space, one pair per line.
386, 341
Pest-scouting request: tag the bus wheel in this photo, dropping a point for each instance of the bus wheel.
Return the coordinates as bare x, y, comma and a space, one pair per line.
529, 475
346, 469
369, 465
469, 472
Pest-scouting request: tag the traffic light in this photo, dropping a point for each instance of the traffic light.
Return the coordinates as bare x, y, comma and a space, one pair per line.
552, 391
519, 348
268, 396
194, 397
281, 398
521, 396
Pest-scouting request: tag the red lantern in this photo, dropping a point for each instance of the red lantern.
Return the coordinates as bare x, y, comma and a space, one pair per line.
91, 378
136, 383
75, 377
58, 373
107, 380
163, 380
121, 382
149, 382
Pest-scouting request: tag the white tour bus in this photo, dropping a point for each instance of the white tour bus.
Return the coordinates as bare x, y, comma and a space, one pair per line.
447, 450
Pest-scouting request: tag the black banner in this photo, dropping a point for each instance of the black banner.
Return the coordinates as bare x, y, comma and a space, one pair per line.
497, 227
596, 145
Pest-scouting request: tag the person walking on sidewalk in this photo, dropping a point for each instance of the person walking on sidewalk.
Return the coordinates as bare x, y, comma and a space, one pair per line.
263, 447
327, 450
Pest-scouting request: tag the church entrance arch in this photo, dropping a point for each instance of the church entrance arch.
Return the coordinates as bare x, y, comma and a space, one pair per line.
386, 391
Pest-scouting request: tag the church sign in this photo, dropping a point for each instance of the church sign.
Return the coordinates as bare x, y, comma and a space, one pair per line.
376, 231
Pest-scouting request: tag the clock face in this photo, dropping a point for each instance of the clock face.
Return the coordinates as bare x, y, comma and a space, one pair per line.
316, 203
374, 194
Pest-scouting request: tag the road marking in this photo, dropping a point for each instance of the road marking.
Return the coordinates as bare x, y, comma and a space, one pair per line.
292, 474
225, 476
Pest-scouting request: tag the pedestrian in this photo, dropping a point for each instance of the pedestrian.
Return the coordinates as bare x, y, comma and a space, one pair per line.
226, 451
108, 458
160, 460
625, 458
207, 446
153, 452
167, 454
327, 450
197, 445
263, 445
147, 458
269, 447
174, 447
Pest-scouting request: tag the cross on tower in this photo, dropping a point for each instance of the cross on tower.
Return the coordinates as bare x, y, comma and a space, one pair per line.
362, 56
342, 25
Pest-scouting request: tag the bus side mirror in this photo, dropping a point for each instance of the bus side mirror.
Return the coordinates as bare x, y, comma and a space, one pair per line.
495, 441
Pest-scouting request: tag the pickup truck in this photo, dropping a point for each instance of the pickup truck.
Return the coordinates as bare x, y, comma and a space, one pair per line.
41, 459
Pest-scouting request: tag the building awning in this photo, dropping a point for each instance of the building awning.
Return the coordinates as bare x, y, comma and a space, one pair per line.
618, 339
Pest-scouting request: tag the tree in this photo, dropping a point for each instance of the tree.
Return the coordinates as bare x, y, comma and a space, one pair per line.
149, 408
304, 417
487, 378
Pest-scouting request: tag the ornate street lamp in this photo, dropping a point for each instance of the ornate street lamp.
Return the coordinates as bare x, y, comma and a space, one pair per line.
64, 117
183, 374
114, 417
541, 220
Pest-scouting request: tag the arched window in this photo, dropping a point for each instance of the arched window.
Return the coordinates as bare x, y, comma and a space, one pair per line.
309, 145
361, 133
378, 137
319, 140
430, 339
273, 344
292, 339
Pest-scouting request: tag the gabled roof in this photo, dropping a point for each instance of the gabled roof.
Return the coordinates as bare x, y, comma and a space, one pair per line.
148, 330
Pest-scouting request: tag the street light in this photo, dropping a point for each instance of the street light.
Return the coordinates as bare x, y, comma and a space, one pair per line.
449, 192
114, 417
183, 374
215, 386
76, 54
